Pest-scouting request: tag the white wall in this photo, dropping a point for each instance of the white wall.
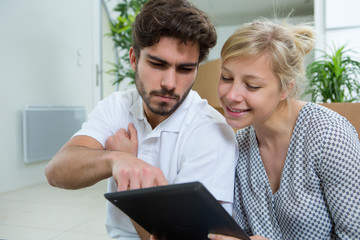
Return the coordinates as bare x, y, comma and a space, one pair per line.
48, 52
108, 53
342, 23
338, 23
224, 33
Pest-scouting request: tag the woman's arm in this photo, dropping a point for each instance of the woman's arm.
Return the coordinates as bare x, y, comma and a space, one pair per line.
340, 174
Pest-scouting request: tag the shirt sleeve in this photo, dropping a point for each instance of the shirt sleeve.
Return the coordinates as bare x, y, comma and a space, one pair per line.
102, 121
209, 156
340, 174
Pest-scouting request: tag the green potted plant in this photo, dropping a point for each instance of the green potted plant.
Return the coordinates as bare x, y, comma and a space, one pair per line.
121, 33
334, 82
334, 78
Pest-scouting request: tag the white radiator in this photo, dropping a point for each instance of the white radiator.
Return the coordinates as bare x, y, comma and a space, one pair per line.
47, 128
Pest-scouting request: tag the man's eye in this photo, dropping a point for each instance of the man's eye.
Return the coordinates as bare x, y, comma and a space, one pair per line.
185, 69
156, 64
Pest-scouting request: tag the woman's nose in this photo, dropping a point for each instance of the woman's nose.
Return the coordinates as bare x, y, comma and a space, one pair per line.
235, 93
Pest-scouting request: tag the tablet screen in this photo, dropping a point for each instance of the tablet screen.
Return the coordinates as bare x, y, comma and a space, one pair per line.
178, 211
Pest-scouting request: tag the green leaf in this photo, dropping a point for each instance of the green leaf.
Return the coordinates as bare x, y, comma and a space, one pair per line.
334, 78
121, 34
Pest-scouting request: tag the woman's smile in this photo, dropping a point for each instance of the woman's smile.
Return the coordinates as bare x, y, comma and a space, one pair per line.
236, 112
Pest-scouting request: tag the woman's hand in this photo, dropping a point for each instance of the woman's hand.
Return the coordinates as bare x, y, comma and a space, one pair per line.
223, 237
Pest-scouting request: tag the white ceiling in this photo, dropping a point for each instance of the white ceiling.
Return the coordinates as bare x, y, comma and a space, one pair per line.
230, 12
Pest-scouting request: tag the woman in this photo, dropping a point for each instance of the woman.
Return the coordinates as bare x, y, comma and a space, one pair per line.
298, 172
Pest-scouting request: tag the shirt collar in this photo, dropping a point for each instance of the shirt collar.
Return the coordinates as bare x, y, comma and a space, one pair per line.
137, 109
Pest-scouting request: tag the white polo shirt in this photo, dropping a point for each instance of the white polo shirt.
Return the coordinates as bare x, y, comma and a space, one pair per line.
193, 144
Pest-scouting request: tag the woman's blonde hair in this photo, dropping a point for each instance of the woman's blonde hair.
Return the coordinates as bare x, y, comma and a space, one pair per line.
286, 45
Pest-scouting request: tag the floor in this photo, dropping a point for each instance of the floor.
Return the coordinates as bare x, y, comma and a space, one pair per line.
42, 212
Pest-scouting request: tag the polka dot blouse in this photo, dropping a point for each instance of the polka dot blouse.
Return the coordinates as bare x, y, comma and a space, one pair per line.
319, 194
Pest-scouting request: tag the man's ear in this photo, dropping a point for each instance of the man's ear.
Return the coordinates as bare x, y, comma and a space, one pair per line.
132, 57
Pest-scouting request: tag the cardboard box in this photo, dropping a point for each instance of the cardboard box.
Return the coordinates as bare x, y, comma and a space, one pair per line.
351, 111
206, 82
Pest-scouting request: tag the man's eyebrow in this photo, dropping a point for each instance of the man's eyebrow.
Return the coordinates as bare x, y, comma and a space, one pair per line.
190, 64
156, 58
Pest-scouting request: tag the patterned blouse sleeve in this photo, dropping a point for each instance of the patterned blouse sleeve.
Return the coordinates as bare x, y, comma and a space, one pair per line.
340, 176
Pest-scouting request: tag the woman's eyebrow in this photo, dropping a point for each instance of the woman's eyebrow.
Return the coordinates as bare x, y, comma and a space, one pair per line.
247, 76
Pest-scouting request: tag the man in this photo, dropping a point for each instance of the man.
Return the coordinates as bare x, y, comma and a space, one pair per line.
173, 135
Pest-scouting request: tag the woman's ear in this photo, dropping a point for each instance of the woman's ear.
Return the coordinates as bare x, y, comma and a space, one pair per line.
286, 91
132, 57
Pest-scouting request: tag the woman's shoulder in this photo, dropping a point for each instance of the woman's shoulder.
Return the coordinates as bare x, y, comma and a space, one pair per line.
321, 120
320, 112
245, 135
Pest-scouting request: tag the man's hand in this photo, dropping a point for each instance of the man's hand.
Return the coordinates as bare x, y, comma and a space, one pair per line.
124, 141
131, 172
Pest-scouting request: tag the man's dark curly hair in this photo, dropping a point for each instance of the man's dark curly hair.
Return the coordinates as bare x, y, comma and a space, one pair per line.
173, 18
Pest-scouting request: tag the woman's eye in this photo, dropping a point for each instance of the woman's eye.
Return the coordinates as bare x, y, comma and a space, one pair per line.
225, 79
251, 87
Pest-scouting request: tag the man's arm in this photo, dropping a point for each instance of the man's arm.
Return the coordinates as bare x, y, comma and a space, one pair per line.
83, 162
127, 142
143, 234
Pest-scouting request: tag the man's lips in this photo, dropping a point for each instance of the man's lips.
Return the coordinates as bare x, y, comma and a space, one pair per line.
165, 95
165, 98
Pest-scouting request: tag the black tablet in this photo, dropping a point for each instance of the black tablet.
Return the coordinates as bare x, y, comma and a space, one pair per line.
178, 211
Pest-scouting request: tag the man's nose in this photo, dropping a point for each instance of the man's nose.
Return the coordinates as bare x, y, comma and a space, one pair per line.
169, 79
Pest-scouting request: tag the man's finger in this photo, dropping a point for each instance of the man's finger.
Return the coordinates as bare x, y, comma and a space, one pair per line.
123, 132
135, 180
148, 179
122, 177
160, 179
123, 184
132, 133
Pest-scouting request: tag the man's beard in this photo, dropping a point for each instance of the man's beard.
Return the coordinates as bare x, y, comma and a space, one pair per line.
162, 109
